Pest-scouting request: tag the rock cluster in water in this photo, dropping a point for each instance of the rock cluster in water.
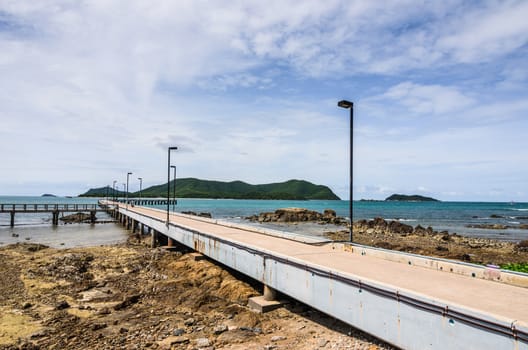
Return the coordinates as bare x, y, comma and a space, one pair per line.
382, 226
76, 218
299, 215
203, 215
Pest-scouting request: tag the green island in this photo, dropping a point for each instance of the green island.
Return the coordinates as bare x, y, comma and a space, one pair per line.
410, 198
197, 188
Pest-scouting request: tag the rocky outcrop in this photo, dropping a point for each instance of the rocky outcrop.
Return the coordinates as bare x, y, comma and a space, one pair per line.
76, 218
381, 226
299, 215
498, 226
203, 215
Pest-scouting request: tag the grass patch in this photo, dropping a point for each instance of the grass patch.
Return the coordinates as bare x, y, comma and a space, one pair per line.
519, 267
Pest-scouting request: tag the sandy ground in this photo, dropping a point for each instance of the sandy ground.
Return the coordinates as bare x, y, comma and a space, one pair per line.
129, 296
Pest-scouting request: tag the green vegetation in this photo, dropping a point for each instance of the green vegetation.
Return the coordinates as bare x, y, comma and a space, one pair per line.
519, 267
102, 192
413, 198
196, 188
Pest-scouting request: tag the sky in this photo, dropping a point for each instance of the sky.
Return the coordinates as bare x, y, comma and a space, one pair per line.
248, 90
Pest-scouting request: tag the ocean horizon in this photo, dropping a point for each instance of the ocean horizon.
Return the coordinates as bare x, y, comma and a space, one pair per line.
454, 217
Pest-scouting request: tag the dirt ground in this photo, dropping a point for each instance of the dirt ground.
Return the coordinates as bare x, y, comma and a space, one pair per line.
130, 296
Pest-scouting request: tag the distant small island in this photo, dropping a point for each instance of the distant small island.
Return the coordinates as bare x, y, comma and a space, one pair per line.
48, 195
410, 198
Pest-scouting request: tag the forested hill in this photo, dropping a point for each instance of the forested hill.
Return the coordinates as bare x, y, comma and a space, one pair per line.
196, 188
411, 198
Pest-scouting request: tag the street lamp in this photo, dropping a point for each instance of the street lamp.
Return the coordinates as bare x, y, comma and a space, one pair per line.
140, 183
128, 174
168, 180
174, 188
124, 189
350, 105
113, 186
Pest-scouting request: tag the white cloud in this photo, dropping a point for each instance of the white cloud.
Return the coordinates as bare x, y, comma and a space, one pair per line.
428, 99
484, 33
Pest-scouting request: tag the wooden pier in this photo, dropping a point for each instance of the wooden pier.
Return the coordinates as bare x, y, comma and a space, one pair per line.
148, 201
54, 209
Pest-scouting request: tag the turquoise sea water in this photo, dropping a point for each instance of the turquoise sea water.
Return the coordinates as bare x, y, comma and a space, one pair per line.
450, 216
37, 228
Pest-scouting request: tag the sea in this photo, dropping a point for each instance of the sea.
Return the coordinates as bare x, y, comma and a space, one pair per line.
454, 217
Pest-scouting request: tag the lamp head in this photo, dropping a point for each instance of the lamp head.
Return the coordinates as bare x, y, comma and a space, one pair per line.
345, 104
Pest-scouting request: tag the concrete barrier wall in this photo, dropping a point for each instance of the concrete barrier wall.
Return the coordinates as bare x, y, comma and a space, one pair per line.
449, 266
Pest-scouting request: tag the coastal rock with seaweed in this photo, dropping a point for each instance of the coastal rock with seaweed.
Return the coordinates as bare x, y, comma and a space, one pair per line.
395, 235
292, 215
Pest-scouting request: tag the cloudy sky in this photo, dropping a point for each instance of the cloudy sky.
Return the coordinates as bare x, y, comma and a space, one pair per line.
248, 90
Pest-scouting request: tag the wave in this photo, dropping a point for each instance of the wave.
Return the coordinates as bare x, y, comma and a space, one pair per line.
519, 209
514, 222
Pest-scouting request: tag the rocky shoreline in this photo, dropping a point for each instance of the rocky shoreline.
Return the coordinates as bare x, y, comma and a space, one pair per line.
426, 241
395, 235
130, 296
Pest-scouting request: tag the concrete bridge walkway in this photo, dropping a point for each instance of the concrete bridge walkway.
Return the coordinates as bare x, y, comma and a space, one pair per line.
410, 301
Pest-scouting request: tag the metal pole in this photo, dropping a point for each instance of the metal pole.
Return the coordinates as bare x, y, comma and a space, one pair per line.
128, 174
351, 169
124, 189
168, 181
114, 194
140, 183
174, 188
348, 104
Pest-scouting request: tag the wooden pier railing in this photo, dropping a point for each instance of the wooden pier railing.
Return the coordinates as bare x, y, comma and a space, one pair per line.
54, 208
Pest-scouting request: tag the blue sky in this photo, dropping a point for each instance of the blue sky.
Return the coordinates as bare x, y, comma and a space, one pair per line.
247, 90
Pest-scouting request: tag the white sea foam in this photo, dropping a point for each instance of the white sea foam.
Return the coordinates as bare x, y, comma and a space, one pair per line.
514, 222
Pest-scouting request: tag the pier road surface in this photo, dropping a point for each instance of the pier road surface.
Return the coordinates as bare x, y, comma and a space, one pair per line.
498, 300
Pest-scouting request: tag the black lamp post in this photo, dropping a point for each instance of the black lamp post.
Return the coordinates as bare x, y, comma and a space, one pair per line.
128, 174
114, 194
168, 181
350, 105
174, 188
140, 185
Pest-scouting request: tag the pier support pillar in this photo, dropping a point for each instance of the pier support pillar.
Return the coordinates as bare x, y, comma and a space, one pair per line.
153, 238
170, 242
92, 217
269, 293
55, 220
266, 302
12, 218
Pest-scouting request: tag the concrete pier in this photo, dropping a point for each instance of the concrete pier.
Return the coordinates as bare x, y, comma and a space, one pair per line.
410, 301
